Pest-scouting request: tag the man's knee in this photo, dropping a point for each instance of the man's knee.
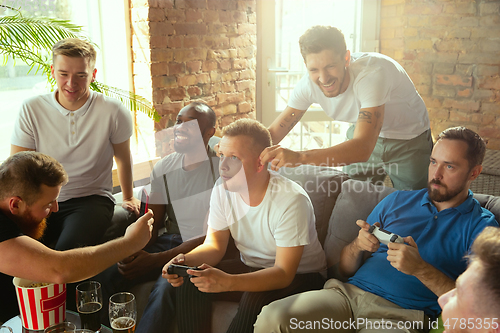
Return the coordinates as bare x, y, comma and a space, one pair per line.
274, 317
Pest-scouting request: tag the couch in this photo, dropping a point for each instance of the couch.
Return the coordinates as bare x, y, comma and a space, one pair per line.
338, 202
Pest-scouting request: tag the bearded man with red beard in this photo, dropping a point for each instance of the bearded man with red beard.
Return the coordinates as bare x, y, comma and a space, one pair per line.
30, 183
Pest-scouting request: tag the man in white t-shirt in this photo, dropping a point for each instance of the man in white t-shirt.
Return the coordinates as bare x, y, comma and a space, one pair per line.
272, 222
83, 130
391, 134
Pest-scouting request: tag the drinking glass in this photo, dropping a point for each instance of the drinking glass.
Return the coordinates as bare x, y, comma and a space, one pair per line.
122, 312
64, 327
5, 329
89, 304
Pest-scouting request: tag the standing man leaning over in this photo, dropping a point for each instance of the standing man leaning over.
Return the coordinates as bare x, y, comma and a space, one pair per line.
398, 283
83, 130
271, 220
29, 186
391, 134
474, 305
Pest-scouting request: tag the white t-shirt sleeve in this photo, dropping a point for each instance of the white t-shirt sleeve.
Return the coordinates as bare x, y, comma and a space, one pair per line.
123, 128
23, 133
372, 87
217, 218
293, 227
301, 97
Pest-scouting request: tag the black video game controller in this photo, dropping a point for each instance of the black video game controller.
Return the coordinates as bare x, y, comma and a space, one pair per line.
384, 236
180, 270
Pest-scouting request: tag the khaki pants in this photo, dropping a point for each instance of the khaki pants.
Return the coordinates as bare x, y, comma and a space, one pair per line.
405, 161
339, 307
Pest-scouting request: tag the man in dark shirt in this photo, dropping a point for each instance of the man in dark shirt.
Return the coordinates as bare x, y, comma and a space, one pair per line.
30, 183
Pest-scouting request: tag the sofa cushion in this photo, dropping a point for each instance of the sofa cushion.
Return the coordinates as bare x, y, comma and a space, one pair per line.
490, 202
355, 202
323, 185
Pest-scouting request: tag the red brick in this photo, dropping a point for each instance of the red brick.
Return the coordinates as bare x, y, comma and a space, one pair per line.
159, 95
464, 93
240, 63
247, 28
235, 97
187, 80
227, 87
177, 94
195, 4
194, 16
244, 85
492, 82
222, 4
209, 65
244, 107
156, 14
210, 16
194, 91
229, 109
185, 55
489, 132
159, 68
158, 42
240, 17
160, 29
466, 105
175, 68
419, 9
175, 42
225, 64
193, 66
454, 80
176, 15
190, 28
164, 81
191, 41
460, 116
203, 78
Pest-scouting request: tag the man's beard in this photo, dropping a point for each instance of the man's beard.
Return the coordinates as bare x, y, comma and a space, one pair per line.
436, 196
30, 226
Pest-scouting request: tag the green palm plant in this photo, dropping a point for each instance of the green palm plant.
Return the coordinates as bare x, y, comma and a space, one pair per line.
31, 39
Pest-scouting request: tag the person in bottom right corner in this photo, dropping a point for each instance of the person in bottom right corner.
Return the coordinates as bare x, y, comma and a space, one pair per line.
474, 304
395, 287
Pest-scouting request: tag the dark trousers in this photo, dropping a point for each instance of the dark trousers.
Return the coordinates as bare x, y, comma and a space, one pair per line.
79, 222
193, 309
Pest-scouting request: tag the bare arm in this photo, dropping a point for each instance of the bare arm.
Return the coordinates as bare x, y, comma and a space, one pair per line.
358, 149
356, 252
123, 160
284, 123
406, 258
16, 149
27, 258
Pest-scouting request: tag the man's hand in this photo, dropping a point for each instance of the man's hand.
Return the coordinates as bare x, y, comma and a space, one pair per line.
210, 279
140, 231
137, 265
173, 279
405, 258
366, 241
280, 157
132, 204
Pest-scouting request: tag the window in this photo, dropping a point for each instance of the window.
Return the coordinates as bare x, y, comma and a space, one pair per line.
280, 64
104, 22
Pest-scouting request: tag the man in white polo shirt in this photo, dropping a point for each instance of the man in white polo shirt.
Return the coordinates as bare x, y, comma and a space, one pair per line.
391, 130
83, 130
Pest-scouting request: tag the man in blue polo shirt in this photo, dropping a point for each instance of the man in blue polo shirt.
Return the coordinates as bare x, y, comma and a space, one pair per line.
396, 286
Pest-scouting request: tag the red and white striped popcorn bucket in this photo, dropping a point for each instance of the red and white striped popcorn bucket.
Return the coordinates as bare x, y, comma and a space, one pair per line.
42, 306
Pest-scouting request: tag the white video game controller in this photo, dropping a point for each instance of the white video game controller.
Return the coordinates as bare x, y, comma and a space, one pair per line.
384, 236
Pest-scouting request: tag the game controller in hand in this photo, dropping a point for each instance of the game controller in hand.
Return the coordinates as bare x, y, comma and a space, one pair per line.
385, 237
180, 270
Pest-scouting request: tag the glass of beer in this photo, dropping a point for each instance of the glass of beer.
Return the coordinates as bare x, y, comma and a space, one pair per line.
122, 312
64, 327
89, 304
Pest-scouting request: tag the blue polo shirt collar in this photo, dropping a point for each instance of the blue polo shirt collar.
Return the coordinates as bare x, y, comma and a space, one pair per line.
464, 208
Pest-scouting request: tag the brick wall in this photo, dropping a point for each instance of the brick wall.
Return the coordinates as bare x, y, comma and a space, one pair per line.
451, 50
188, 50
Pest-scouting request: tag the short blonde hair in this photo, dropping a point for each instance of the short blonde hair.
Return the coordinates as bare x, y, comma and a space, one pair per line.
252, 129
75, 48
